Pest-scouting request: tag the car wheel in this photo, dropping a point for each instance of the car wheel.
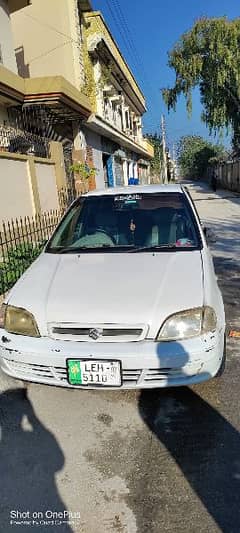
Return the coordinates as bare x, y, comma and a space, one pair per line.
223, 363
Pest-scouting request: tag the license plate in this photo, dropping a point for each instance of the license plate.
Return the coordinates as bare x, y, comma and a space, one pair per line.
87, 372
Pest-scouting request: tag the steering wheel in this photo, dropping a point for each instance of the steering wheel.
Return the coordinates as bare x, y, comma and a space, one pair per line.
100, 230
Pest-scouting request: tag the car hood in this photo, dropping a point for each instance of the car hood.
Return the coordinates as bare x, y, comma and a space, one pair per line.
139, 288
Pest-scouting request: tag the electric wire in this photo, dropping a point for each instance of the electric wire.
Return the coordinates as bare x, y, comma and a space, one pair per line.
123, 28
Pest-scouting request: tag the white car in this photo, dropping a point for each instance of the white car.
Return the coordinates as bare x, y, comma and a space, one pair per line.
123, 295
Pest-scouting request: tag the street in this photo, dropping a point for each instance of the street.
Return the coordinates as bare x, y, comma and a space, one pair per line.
132, 462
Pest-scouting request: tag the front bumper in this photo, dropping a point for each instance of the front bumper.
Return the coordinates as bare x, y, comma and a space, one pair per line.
145, 364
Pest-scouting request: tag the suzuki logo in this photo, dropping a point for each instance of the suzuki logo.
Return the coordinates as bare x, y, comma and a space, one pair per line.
95, 334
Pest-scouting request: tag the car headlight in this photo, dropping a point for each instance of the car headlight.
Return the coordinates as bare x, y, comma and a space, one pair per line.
187, 324
20, 322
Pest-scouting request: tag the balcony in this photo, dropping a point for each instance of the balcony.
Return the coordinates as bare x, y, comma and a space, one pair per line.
101, 46
113, 118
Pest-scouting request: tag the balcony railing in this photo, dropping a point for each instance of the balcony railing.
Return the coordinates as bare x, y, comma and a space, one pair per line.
110, 116
114, 121
22, 142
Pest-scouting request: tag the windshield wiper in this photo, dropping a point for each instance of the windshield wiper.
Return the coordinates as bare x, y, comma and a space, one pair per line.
105, 247
155, 247
67, 250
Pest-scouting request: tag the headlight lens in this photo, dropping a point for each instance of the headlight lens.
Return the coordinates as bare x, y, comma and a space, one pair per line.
20, 322
187, 324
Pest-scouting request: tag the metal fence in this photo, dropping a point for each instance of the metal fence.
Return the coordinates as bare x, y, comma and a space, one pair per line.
66, 197
22, 142
22, 240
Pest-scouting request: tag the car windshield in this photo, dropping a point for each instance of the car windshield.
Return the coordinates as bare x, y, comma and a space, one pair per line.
131, 222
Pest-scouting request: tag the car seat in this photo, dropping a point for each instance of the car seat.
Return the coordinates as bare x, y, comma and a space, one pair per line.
164, 227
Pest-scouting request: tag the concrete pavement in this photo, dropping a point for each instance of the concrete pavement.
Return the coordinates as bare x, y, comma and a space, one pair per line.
146, 462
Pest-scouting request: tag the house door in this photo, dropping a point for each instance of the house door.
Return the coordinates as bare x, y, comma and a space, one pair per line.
108, 170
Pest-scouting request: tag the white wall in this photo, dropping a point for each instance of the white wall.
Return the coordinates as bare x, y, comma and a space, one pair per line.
6, 38
15, 193
47, 186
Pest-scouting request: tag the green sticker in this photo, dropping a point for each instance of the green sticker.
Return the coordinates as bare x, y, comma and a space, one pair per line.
74, 372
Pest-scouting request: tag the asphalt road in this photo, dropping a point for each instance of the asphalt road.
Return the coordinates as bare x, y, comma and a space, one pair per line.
145, 462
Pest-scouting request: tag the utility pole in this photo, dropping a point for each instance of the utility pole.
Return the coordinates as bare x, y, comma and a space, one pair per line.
174, 161
160, 164
164, 167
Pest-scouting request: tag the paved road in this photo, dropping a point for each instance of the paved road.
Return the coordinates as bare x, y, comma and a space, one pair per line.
146, 462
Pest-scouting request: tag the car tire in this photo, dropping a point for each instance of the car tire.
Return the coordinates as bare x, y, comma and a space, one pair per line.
222, 367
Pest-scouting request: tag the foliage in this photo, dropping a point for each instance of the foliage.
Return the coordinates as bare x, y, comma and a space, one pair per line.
83, 170
156, 161
195, 154
208, 56
19, 258
89, 86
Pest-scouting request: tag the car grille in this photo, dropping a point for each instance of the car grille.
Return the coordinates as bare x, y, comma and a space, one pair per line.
162, 374
98, 333
58, 375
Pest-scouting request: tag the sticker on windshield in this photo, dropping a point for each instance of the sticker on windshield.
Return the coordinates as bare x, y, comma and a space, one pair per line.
127, 198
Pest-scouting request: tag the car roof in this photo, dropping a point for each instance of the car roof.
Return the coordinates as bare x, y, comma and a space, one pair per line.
133, 189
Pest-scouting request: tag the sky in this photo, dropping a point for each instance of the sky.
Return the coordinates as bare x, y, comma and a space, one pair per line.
145, 31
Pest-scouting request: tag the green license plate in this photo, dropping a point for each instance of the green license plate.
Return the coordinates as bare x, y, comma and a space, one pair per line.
87, 372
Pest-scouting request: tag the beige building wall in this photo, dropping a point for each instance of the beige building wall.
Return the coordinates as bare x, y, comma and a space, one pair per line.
47, 190
15, 192
7, 54
47, 40
29, 185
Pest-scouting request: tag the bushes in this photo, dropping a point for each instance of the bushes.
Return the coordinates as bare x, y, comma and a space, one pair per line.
15, 261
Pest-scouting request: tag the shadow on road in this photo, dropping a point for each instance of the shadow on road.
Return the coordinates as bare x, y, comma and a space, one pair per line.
29, 458
205, 446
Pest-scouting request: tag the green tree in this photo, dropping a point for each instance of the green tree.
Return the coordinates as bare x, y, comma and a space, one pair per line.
156, 162
208, 56
195, 154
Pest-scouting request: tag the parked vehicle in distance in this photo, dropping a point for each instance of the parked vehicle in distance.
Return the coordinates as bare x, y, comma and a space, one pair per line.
123, 295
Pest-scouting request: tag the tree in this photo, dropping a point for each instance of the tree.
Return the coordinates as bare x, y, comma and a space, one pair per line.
156, 161
195, 154
208, 56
